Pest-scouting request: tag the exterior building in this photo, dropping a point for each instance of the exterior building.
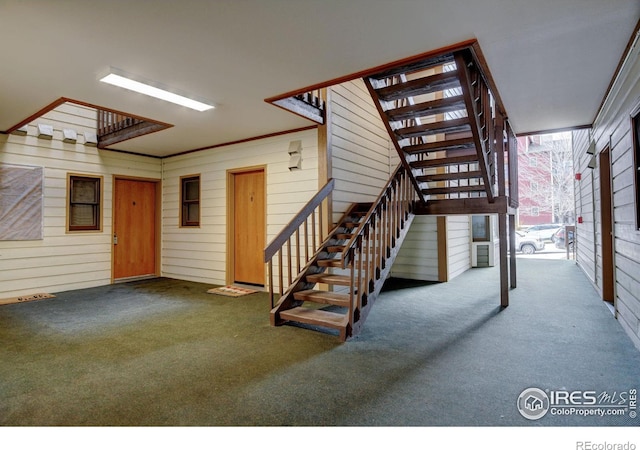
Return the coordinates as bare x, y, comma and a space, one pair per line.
535, 182
546, 179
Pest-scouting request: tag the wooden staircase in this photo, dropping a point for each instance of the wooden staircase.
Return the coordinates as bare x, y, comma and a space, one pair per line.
339, 283
439, 114
328, 307
458, 155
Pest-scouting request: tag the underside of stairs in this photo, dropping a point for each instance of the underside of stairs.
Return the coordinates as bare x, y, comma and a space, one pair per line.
441, 117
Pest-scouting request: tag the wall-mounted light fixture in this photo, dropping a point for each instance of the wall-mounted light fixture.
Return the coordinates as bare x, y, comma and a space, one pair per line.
119, 78
45, 131
593, 162
592, 148
295, 155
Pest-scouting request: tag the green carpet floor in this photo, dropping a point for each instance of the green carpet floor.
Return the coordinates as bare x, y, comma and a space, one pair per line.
165, 353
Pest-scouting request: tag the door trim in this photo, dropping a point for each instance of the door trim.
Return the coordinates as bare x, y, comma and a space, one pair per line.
231, 173
607, 226
157, 219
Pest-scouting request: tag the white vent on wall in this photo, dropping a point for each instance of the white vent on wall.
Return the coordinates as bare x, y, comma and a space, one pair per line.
90, 138
295, 155
22, 131
45, 131
69, 135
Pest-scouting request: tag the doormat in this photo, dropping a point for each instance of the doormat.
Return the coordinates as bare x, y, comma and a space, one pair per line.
231, 291
25, 298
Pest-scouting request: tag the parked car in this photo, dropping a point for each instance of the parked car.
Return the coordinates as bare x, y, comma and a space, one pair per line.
545, 232
560, 241
528, 244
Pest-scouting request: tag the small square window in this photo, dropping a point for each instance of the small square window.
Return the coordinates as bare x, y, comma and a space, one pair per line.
190, 201
480, 228
84, 207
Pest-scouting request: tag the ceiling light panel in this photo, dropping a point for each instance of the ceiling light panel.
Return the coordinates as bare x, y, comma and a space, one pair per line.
128, 82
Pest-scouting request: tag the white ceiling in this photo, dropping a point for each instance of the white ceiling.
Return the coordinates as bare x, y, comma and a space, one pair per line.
552, 60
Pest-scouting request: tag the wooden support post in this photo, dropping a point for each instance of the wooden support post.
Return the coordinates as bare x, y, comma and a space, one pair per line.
512, 246
324, 162
504, 268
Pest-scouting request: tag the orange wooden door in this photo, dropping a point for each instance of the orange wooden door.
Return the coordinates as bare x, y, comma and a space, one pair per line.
134, 247
606, 220
249, 227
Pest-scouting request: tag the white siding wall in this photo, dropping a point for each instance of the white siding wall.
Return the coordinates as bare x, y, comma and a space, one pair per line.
361, 152
63, 261
199, 254
418, 257
458, 245
613, 128
585, 188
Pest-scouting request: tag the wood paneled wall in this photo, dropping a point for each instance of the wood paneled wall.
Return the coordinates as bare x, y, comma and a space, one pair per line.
612, 128
361, 151
199, 254
64, 261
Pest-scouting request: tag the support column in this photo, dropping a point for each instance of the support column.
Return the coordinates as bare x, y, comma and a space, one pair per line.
512, 247
325, 162
504, 268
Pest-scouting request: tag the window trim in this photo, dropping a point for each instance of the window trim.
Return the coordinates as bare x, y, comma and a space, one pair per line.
183, 222
635, 138
100, 204
487, 228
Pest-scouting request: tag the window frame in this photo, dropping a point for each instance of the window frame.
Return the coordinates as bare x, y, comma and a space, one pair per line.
185, 203
97, 204
486, 228
635, 138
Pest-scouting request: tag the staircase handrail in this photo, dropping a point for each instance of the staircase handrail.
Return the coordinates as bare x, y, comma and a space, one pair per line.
366, 220
299, 219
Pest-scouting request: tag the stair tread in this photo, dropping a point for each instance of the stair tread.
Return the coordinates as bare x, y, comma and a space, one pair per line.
454, 189
329, 262
445, 126
464, 159
416, 66
449, 176
432, 107
341, 280
315, 317
449, 144
424, 85
327, 297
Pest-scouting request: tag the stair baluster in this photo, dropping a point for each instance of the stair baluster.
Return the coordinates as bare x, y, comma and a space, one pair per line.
301, 257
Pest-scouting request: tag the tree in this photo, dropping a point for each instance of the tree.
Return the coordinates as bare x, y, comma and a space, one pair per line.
546, 177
